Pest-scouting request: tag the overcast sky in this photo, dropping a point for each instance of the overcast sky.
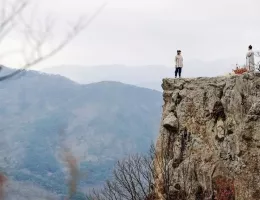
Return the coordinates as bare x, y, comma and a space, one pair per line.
142, 32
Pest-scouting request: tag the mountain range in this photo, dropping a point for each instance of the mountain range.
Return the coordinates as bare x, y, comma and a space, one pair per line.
99, 123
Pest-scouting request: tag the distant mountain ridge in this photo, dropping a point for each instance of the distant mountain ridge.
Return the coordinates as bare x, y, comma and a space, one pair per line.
100, 123
148, 76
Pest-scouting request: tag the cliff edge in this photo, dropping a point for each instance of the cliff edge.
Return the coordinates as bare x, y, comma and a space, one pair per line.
209, 142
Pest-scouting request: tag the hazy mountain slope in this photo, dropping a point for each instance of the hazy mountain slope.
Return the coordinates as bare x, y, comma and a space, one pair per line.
100, 122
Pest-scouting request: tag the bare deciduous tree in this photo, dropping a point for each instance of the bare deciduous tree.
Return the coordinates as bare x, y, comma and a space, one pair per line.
144, 177
35, 34
132, 180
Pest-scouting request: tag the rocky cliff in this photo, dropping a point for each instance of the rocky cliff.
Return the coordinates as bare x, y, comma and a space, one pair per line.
209, 142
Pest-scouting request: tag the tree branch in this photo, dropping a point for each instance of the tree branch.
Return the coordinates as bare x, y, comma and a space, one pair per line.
37, 41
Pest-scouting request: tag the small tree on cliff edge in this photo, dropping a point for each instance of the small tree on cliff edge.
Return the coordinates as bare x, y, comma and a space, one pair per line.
19, 18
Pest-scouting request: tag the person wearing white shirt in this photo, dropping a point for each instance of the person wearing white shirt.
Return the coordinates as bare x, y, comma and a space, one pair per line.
178, 64
250, 59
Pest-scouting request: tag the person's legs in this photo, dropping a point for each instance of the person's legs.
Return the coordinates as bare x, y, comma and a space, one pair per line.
180, 70
251, 67
176, 72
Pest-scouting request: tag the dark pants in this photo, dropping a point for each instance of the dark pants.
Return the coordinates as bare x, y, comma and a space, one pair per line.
178, 71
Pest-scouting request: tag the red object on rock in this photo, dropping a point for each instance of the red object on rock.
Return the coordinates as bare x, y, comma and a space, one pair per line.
240, 70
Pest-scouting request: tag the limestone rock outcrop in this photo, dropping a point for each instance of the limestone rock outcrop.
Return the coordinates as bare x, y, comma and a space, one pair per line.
209, 140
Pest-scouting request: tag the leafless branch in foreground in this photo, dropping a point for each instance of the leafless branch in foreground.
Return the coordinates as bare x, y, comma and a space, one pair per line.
36, 43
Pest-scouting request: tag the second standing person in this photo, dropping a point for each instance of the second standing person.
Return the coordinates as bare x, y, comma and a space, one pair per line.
178, 64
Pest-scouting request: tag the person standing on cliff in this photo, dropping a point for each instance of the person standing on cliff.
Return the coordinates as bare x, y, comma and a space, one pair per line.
178, 64
250, 60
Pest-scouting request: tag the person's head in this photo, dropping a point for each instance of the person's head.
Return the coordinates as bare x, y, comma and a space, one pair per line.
178, 52
250, 47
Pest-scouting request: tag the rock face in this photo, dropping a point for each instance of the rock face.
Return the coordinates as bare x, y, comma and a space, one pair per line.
209, 140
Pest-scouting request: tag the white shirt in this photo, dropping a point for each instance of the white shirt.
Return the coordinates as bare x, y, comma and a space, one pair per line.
250, 59
178, 61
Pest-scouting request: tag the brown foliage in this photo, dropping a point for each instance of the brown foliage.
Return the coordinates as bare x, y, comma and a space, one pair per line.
3, 180
72, 165
225, 189
239, 70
